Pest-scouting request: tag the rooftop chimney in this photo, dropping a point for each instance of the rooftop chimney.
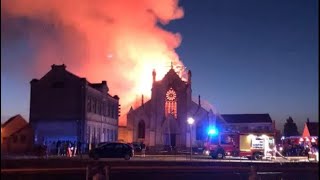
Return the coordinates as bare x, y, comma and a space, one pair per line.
199, 101
63, 66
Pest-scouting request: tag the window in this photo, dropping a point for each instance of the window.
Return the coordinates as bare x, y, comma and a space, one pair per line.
23, 139
109, 109
227, 139
98, 107
93, 105
118, 147
15, 139
88, 104
171, 103
99, 135
103, 111
108, 147
141, 129
108, 135
106, 109
88, 134
112, 111
94, 135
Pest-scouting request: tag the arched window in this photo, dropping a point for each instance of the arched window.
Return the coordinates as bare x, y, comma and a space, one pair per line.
141, 129
171, 103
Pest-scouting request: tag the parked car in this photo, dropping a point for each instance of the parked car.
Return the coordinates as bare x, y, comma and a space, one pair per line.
112, 150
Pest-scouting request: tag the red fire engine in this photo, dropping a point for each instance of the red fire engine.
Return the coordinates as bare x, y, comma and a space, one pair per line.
235, 144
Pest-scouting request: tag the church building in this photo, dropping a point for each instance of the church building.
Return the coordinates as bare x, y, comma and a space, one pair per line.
162, 120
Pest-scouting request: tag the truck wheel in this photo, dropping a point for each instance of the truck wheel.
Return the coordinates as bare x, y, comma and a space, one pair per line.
127, 157
219, 155
257, 156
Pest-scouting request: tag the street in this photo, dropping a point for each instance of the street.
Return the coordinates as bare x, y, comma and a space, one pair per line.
155, 167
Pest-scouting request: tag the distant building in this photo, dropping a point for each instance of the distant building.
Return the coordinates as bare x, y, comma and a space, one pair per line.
162, 120
16, 136
252, 123
66, 107
311, 130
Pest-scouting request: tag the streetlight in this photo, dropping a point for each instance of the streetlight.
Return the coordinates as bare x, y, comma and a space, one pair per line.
190, 122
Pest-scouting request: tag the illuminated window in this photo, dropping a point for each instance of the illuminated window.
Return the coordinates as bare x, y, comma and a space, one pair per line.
171, 103
141, 129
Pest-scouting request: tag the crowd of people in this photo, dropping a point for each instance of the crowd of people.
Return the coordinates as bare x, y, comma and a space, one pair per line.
301, 148
60, 148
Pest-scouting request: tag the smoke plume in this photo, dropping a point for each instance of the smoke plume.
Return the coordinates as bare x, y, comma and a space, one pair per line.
115, 40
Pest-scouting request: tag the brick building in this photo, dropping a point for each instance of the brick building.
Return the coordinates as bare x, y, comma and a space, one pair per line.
16, 136
66, 107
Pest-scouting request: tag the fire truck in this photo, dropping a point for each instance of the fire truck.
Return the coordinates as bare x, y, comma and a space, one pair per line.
235, 144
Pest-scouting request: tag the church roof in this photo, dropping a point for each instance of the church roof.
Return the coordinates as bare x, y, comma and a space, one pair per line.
62, 68
11, 119
172, 74
247, 118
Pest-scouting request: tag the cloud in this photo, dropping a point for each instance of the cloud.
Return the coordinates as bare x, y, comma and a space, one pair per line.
115, 40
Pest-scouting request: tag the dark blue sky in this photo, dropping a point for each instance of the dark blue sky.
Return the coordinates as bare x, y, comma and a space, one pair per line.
246, 56
253, 56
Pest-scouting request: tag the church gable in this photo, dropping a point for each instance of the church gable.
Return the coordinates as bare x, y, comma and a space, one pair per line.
141, 113
172, 79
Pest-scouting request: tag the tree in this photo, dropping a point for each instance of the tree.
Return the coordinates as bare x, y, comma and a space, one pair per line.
290, 128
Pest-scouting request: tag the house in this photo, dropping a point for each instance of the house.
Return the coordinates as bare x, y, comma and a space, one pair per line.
249, 123
311, 131
66, 107
16, 136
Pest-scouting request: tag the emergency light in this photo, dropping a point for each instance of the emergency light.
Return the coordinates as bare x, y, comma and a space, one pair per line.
212, 131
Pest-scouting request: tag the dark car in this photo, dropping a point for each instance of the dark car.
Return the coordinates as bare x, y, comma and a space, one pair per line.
112, 150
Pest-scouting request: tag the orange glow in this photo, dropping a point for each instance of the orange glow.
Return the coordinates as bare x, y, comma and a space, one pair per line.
114, 40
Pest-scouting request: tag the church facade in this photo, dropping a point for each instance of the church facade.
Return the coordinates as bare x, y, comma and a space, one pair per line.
162, 120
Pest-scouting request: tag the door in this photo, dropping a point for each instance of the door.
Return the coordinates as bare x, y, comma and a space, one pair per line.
119, 151
108, 150
173, 140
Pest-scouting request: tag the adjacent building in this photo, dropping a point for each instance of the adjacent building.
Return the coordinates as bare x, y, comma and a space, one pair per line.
66, 107
249, 123
16, 136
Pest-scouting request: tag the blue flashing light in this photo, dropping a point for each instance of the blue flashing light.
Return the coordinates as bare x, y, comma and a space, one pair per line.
212, 131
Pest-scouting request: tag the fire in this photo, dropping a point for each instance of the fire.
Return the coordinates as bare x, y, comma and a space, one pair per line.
114, 40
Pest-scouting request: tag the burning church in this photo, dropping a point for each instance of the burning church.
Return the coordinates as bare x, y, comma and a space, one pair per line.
162, 120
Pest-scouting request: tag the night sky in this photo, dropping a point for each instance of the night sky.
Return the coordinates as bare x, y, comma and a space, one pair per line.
246, 56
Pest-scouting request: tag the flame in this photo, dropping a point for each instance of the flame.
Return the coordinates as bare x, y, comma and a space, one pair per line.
115, 40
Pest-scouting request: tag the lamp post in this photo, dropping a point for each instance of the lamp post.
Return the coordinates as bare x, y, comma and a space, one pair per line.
190, 122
